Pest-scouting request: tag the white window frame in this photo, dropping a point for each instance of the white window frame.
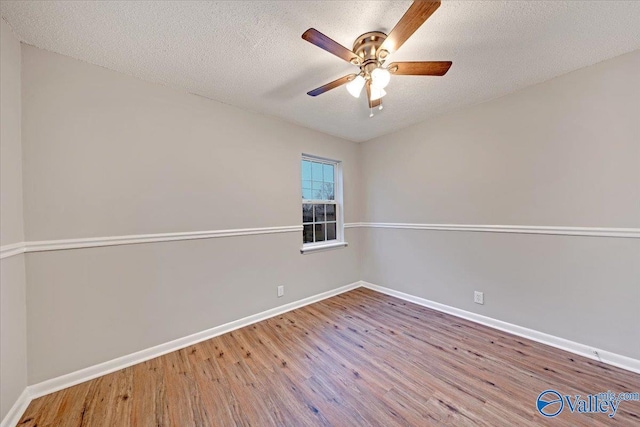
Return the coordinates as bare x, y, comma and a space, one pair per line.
339, 242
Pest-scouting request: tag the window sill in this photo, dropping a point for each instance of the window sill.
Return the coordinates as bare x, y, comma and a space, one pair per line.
322, 247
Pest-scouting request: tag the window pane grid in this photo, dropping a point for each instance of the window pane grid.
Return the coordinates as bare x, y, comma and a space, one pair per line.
319, 222
319, 205
318, 180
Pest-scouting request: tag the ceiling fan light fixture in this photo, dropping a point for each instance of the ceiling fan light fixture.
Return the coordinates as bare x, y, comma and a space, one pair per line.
380, 78
377, 93
355, 86
371, 50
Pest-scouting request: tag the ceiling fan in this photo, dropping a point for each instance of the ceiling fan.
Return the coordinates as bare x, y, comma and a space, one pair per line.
370, 52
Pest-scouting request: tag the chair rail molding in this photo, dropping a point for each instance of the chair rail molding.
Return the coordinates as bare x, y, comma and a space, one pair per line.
13, 249
631, 233
91, 242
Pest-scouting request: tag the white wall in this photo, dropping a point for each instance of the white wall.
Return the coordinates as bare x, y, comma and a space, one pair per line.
562, 153
13, 332
106, 154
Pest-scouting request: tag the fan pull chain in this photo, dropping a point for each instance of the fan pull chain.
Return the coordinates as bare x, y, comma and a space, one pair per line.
380, 107
370, 112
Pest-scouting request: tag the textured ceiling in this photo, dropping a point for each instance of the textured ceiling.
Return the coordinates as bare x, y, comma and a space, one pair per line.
250, 54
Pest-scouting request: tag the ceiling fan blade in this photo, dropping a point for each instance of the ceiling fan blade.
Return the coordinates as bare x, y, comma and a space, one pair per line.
413, 18
372, 104
424, 68
315, 37
332, 85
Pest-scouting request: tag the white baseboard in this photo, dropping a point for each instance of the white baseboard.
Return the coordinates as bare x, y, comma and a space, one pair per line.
16, 411
91, 372
607, 357
55, 384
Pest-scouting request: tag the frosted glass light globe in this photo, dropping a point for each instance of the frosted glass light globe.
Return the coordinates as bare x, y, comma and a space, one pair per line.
380, 78
377, 93
355, 86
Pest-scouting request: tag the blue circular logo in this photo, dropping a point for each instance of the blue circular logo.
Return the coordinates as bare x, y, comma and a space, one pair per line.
550, 403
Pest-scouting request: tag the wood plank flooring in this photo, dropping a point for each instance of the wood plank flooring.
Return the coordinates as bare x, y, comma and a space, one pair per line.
360, 358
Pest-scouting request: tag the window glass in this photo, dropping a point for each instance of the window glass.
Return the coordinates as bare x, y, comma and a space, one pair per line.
318, 211
316, 171
307, 213
331, 231
319, 206
307, 233
328, 193
320, 237
330, 211
307, 194
306, 170
327, 173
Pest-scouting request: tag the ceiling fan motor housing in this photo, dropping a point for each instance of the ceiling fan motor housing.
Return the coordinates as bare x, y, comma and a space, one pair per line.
367, 47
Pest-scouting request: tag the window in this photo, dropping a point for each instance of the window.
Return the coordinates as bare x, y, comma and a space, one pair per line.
321, 204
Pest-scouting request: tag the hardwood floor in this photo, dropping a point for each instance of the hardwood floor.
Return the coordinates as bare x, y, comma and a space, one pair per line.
360, 358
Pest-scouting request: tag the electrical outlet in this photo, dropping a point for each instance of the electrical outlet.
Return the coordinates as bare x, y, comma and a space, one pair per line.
478, 297
280, 291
